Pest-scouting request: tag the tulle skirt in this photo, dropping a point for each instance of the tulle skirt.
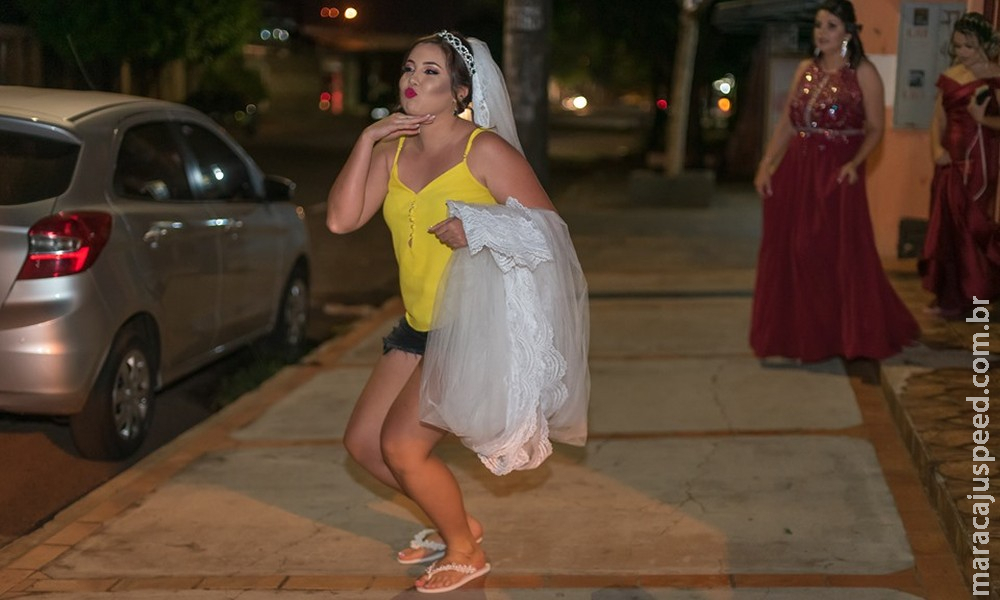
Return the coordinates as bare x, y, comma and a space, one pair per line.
506, 363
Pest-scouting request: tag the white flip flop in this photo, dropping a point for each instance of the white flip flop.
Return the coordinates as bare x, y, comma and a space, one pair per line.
420, 541
470, 572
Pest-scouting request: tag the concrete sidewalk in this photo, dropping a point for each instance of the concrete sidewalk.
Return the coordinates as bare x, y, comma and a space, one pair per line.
708, 476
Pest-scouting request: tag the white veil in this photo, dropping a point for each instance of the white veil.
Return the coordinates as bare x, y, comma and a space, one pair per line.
490, 101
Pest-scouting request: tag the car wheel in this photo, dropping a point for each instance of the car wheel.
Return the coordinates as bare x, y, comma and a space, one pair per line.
119, 410
288, 340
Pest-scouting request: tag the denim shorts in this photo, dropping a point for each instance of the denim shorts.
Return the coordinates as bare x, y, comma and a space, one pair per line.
405, 338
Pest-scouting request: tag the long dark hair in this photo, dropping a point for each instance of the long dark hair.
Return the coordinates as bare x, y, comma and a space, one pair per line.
460, 75
844, 10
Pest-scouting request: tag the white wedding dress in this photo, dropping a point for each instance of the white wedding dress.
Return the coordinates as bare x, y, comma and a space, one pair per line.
505, 368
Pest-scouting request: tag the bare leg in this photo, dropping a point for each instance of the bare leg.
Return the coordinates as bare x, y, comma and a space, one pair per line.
407, 446
361, 438
364, 428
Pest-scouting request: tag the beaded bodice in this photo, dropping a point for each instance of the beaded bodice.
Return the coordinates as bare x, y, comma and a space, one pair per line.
828, 102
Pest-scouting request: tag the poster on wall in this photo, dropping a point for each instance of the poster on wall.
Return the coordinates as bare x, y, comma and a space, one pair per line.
924, 40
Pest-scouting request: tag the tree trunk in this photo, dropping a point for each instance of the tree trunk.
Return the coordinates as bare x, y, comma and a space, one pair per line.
680, 96
526, 69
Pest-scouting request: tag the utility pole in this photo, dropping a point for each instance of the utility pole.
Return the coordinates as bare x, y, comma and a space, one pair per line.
526, 67
676, 186
680, 97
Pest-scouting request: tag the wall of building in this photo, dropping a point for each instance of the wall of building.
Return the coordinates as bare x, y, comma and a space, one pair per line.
899, 172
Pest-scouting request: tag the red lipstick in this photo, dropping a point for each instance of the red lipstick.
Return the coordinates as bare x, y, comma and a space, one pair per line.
410, 93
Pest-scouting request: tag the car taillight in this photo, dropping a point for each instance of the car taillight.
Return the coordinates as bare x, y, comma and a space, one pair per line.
65, 243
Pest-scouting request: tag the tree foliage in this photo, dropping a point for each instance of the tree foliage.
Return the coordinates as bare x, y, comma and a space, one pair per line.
624, 46
148, 34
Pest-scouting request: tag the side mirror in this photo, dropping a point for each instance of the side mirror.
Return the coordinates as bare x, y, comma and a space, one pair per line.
278, 188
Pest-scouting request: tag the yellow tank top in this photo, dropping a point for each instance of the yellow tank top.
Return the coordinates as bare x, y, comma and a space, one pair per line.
421, 257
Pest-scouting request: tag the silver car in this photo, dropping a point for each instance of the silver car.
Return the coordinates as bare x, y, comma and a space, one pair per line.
138, 242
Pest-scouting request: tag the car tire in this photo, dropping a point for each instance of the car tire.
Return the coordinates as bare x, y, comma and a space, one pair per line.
119, 409
288, 339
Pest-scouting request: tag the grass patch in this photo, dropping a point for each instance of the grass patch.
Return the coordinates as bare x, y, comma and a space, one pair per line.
249, 376
255, 365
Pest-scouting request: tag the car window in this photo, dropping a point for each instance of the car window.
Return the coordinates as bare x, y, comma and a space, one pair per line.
221, 173
150, 164
34, 168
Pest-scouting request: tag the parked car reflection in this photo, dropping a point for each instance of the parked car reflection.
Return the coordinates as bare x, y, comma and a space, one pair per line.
138, 242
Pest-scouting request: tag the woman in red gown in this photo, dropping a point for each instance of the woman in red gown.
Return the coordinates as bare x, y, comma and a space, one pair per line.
961, 257
821, 291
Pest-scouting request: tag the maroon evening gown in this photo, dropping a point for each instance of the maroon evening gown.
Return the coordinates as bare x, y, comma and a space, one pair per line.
821, 291
961, 256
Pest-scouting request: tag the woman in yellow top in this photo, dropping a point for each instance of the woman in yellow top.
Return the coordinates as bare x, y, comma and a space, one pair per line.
411, 164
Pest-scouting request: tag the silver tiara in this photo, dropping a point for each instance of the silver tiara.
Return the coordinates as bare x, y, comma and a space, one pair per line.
459, 47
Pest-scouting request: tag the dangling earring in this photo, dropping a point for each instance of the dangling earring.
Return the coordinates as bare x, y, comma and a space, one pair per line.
843, 49
816, 52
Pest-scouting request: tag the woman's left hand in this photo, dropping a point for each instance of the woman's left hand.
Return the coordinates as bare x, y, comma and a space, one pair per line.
978, 111
451, 233
848, 173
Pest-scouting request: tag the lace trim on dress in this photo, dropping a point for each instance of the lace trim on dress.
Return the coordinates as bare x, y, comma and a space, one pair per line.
511, 237
977, 141
537, 368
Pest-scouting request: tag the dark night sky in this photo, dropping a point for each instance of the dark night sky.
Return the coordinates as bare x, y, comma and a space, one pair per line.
399, 16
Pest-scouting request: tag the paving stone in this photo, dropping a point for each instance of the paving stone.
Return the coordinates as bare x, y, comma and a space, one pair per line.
697, 327
316, 410
709, 505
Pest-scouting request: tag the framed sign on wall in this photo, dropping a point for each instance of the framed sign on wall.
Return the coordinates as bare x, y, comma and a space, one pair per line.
924, 38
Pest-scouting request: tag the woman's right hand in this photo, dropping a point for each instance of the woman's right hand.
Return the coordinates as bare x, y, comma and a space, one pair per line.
762, 181
362, 183
943, 159
396, 125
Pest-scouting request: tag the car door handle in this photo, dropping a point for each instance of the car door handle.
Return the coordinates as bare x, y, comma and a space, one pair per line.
225, 223
158, 229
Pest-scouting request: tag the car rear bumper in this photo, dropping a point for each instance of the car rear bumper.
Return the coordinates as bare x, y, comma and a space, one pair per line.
51, 347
